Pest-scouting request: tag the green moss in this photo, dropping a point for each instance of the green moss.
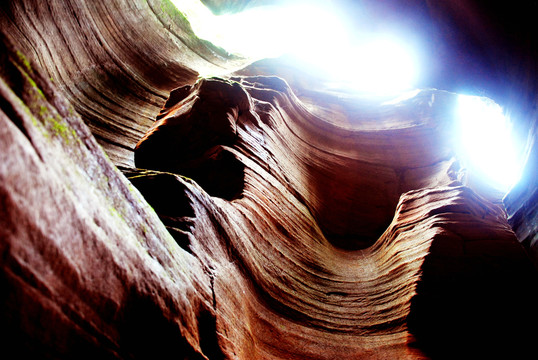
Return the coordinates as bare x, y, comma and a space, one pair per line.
34, 86
37, 107
32, 117
27, 71
115, 213
170, 10
24, 61
39, 95
43, 111
59, 127
34, 120
56, 125
167, 7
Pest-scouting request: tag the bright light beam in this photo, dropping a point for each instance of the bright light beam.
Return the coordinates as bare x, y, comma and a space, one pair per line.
316, 36
381, 65
487, 141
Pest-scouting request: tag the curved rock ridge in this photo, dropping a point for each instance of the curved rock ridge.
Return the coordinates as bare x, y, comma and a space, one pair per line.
349, 167
193, 135
279, 228
299, 290
89, 271
97, 53
87, 268
281, 290
116, 62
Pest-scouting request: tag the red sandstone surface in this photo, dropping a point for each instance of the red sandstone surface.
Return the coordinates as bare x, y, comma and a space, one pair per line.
251, 224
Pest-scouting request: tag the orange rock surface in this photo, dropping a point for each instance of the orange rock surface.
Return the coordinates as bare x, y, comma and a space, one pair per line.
251, 219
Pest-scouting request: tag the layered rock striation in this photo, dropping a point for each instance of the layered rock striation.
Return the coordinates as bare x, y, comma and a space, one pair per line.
303, 279
348, 160
97, 53
252, 224
88, 270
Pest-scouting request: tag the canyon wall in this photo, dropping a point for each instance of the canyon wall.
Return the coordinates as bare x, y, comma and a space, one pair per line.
247, 222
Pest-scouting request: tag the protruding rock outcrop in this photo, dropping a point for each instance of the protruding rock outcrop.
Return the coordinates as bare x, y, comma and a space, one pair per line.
87, 268
297, 279
193, 136
266, 227
97, 53
349, 167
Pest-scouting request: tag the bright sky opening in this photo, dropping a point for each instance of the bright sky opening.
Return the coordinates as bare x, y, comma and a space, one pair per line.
379, 64
488, 142
314, 34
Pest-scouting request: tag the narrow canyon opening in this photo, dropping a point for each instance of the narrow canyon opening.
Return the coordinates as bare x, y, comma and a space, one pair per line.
268, 180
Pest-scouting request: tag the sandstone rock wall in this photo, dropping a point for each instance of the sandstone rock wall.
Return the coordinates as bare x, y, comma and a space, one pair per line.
96, 52
266, 227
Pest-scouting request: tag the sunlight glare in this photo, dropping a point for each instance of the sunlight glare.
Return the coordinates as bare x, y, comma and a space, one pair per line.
313, 34
488, 142
381, 65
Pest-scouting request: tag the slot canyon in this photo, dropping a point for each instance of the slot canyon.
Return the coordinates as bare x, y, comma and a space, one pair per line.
161, 197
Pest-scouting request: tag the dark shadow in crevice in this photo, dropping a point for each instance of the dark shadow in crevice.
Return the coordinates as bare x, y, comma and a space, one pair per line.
170, 199
207, 328
148, 334
195, 134
219, 173
475, 301
353, 242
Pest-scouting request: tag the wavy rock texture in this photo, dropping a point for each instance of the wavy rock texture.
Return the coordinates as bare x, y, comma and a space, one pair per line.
88, 270
351, 171
307, 289
97, 52
331, 227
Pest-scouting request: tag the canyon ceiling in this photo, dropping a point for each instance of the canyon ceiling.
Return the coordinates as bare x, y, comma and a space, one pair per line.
147, 213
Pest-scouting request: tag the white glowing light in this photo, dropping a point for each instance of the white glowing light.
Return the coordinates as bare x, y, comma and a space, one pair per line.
315, 35
382, 65
487, 141
263, 31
